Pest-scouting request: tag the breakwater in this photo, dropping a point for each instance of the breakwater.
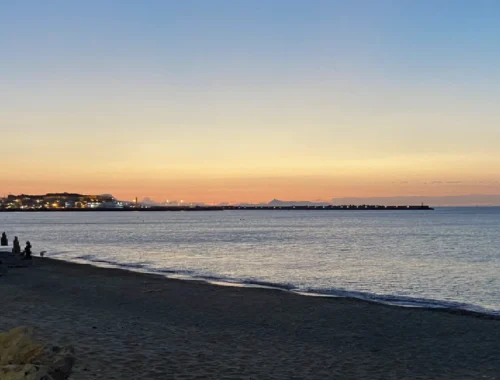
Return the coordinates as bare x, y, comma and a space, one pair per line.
230, 208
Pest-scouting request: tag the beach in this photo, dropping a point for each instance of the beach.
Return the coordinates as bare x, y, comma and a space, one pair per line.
126, 325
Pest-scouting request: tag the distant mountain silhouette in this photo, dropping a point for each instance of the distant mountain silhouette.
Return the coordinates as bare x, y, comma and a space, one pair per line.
448, 200
277, 202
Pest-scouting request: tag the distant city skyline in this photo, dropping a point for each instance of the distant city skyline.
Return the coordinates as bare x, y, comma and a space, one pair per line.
226, 101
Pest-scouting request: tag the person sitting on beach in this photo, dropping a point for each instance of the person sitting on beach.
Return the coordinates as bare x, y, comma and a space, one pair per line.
17, 247
4, 241
27, 251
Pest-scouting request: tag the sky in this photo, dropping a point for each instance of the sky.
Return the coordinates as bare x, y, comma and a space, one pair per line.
246, 101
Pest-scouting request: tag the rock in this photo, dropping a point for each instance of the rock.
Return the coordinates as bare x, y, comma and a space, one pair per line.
24, 372
21, 358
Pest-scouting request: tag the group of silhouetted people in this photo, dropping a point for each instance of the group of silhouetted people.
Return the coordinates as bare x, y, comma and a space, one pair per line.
16, 250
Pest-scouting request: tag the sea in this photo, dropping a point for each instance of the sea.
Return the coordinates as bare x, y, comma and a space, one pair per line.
446, 258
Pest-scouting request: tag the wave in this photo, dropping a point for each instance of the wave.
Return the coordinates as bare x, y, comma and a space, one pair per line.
404, 301
386, 299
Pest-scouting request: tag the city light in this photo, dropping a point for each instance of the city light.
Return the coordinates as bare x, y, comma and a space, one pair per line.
60, 201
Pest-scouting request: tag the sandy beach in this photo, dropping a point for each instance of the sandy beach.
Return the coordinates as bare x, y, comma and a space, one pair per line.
126, 325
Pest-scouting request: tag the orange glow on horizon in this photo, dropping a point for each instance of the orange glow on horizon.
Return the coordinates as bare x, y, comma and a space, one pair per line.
256, 190
247, 180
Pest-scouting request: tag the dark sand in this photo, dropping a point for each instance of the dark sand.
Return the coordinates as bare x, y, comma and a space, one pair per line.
126, 325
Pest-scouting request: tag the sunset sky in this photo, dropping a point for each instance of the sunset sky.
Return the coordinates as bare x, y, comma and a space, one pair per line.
245, 101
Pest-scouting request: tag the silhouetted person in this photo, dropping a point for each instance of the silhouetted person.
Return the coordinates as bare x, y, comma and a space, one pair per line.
4, 241
27, 251
17, 247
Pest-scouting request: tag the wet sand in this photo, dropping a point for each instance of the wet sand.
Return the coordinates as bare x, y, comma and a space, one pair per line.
126, 325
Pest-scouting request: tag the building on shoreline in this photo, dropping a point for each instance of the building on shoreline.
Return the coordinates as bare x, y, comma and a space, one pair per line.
59, 201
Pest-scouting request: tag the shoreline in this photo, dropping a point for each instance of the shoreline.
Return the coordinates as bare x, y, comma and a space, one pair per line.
397, 301
131, 325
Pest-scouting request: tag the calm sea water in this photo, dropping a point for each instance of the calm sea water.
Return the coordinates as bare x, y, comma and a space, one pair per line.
449, 257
